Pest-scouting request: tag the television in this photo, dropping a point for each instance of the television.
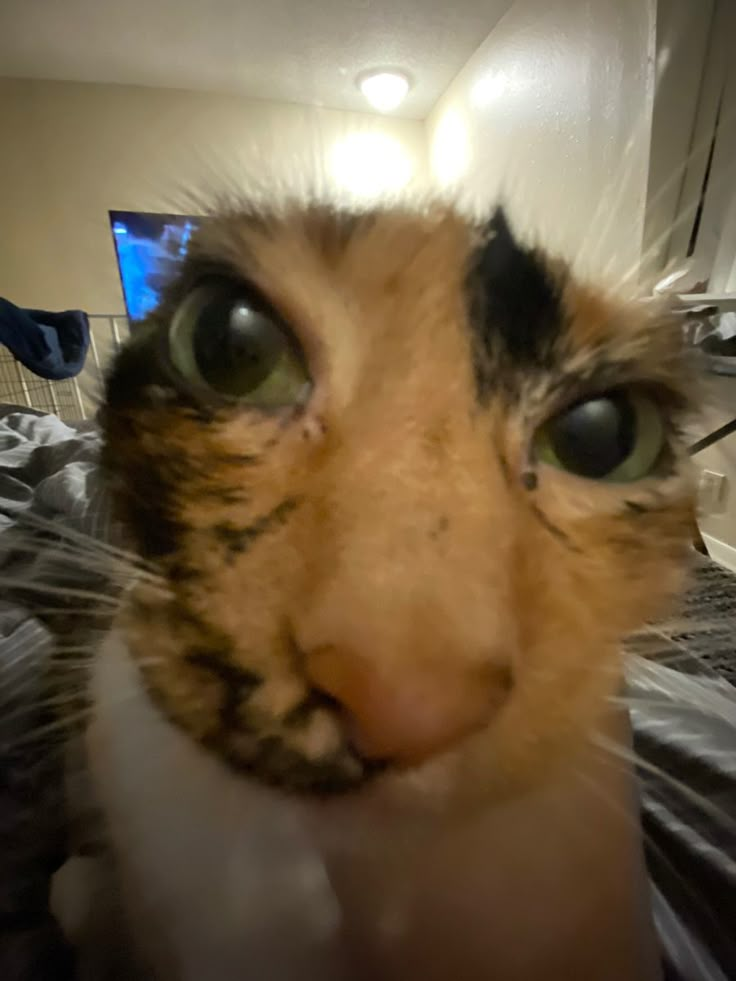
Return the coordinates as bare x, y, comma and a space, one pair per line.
148, 247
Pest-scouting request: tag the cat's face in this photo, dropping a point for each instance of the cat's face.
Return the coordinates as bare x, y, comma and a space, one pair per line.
409, 485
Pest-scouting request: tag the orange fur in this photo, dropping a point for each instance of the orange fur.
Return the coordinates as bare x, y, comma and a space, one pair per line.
411, 541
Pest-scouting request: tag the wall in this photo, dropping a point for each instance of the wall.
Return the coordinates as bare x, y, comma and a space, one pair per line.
554, 113
70, 152
678, 155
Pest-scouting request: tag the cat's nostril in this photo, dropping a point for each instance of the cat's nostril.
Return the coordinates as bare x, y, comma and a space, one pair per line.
412, 714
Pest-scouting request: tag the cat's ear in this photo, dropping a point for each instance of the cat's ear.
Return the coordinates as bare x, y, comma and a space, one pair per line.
515, 300
501, 248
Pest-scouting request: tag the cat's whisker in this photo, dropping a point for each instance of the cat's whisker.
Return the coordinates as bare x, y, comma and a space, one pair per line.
677, 173
622, 182
66, 552
152, 660
56, 732
66, 663
621, 179
633, 701
64, 723
634, 271
630, 757
45, 589
702, 147
679, 652
107, 565
54, 700
715, 698
632, 274
72, 534
61, 650
77, 611
634, 822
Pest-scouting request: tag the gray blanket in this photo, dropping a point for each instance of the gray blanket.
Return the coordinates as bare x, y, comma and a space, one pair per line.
47, 469
49, 474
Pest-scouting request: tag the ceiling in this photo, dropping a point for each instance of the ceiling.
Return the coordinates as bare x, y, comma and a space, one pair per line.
306, 51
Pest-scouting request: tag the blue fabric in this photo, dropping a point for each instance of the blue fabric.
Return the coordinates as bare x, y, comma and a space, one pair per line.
52, 345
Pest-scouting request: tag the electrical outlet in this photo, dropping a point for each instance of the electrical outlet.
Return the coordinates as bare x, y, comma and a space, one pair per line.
712, 492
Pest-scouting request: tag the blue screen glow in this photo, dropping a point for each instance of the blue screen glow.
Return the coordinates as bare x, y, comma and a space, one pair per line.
148, 248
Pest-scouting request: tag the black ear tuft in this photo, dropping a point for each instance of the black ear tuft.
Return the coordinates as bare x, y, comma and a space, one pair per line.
514, 301
499, 226
501, 253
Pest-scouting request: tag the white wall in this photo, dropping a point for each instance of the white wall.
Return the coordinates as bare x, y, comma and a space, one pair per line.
71, 152
554, 112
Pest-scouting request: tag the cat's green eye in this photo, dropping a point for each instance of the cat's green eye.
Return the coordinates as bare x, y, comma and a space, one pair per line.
618, 436
227, 342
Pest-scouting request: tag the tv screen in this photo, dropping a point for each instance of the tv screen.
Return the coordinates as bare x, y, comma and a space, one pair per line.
147, 247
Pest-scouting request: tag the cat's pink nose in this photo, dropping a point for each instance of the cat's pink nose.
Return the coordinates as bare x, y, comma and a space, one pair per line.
415, 712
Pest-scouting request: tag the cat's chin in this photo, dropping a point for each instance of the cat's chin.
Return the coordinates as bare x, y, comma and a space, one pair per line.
186, 831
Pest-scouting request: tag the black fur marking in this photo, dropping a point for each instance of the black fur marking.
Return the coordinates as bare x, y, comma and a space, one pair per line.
237, 683
282, 767
267, 758
558, 533
186, 615
503, 464
515, 311
151, 512
237, 540
440, 527
136, 369
285, 769
529, 480
179, 572
229, 536
633, 507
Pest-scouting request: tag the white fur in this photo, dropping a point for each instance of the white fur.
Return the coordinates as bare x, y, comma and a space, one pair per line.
216, 869
227, 879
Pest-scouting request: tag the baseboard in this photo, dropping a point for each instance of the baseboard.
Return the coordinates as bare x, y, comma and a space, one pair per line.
720, 552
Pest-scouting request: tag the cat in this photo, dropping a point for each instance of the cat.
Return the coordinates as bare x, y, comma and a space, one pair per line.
402, 484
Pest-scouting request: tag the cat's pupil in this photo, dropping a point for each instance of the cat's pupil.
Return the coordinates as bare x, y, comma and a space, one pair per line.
236, 346
594, 437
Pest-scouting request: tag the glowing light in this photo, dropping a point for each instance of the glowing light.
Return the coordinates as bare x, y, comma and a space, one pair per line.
450, 148
370, 164
489, 88
384, 90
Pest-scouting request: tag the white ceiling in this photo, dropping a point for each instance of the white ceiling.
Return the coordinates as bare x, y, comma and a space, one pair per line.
296, 50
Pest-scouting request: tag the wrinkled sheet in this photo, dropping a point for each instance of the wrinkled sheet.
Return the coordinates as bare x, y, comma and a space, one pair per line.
49, 469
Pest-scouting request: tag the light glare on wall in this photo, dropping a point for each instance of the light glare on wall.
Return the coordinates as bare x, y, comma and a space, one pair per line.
370, 164
489, 88
450, 148
384, 90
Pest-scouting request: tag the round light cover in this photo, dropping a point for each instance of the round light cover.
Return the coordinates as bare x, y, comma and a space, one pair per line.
384, 90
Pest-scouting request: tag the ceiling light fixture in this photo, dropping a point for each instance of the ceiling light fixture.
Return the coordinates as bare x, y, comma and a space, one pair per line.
384, 90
